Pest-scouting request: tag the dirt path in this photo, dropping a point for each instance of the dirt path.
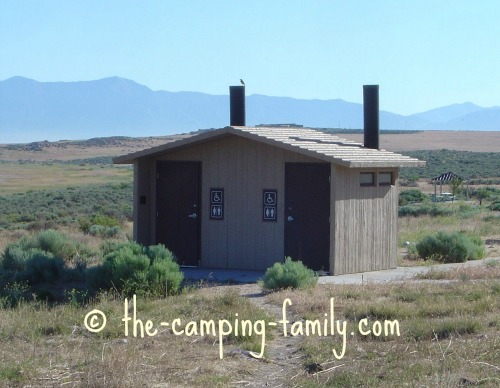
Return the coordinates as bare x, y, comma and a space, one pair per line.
283, 361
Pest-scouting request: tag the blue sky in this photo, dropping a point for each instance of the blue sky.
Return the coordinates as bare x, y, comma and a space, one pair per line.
423, 54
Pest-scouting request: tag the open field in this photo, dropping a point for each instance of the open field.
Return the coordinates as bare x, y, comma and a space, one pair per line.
476, 141
449, 325
83, 149
433, 334
480, 141
18, 178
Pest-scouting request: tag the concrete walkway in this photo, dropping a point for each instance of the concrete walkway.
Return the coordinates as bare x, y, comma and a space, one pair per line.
222, 275
397, 274
389, 275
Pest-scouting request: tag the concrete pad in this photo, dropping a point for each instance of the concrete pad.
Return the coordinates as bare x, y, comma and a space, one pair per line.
389, 275
397, 274
222, 275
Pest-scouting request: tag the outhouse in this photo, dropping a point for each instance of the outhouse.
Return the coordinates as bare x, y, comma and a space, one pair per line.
244, 197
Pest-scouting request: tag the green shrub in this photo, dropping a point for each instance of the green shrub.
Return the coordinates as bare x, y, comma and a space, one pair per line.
16, 255
50, 241
450, 247
413, 195
421, 210
96, 223
104, 231
43, 267
290, 274
464, 163
56, 243
33, 265
130, 268
495, 206
106, 205
42, 258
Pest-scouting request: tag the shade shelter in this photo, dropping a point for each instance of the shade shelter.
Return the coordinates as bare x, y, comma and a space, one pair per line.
445, 178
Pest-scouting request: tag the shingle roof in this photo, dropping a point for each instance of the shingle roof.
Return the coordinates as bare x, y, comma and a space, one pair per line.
305, 141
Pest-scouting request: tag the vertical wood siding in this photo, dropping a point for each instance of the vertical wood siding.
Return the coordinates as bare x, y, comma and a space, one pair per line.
244, 168
365, 228
143, 212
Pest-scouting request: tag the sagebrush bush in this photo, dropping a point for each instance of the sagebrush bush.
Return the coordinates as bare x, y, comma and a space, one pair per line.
43, 267
44, 258
421, 210
51, 241
413, 195
96, 224
16, 255
56, 243
38, 209
464, 163
104, 231
290, 274
450, 247
130, 268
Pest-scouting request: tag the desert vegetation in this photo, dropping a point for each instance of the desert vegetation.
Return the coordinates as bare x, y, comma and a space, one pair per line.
448, 334
66, 250
467, 164
290, 274
106, 205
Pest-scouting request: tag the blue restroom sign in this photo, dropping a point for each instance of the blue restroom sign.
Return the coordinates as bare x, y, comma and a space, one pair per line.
217, 204
270, 205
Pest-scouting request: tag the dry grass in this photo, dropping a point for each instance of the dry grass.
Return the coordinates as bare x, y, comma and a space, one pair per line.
449, 328
491, 270
484, 223
450, 333
48, 346
17, 178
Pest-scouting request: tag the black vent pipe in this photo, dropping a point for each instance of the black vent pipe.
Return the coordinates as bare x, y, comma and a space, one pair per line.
371, 116
237, 105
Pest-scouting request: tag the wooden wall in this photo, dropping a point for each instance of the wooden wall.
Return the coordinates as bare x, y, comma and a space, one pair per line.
244, 168
143, 213
363, 231
364, 235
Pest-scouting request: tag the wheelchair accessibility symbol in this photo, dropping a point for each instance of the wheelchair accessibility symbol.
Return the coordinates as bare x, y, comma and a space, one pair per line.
216, 196
270, 198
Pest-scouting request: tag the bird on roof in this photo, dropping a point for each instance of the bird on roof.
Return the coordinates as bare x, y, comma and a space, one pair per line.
242, 82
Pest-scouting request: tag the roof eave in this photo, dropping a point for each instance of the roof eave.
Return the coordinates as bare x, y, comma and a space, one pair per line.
150, 152
389, 164
292, 147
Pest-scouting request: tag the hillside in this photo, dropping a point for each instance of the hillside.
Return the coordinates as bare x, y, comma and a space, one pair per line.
35, 111
106, 147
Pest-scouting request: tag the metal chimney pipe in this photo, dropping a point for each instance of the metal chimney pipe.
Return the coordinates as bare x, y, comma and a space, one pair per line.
371, 116
237, 105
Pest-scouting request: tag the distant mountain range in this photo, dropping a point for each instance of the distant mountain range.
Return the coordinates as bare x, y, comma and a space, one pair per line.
32, 111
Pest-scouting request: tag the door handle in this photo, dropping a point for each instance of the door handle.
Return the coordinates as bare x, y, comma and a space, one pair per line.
194, 215
290, 218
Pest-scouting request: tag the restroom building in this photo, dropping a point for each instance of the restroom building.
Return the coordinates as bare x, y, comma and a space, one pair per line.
244, 197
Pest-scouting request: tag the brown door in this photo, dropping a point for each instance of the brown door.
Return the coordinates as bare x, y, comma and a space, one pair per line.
178, 207
307, 214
